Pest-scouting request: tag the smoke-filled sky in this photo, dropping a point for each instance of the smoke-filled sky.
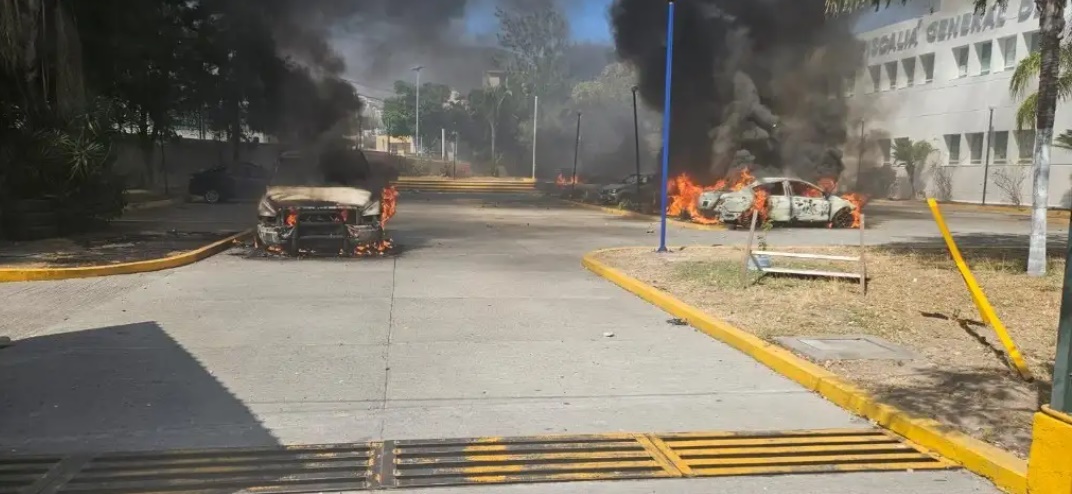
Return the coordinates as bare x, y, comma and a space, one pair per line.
452, 39
762, 76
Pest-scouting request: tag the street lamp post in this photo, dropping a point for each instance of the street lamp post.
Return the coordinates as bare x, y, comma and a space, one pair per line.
636, 142
666, 121
576, 152
535, 124
417, 131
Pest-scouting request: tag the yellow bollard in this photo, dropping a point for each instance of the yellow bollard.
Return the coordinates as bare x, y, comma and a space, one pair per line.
986, 311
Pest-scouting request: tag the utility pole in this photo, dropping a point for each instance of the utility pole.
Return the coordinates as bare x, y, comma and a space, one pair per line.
859, 159
417, 131
576, 152
989, 144
455, 158
535, 124
1061, 398
666, 120
443, 143
636, 142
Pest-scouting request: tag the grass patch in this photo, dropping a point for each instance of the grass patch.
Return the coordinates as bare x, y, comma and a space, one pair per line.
916, 298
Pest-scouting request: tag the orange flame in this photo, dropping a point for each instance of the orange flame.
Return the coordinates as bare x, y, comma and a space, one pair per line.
562, 181
759, 205
683, 195
388, 205
378, 248
858, 200
291, 218
743, 179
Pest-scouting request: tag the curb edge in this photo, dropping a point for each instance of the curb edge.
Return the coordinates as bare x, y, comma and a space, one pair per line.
177, 260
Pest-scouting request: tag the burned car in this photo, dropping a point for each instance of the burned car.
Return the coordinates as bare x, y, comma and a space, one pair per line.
626, 190
789, 200
338, 206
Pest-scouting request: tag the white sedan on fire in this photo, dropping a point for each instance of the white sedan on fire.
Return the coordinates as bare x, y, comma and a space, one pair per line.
789, 200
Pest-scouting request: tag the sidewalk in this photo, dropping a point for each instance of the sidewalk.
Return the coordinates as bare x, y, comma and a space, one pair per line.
1053, 214
141, 234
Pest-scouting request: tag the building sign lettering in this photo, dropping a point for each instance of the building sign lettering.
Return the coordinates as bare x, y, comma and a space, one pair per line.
948, 28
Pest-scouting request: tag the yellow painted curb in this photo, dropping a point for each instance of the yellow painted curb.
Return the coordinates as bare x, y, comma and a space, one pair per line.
634, 214
1049, 468
1003, 468
183, 259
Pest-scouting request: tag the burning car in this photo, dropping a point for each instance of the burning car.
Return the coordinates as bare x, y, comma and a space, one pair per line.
339, 207
781, 200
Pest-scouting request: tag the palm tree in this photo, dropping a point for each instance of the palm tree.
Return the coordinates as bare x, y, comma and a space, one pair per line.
1027, 71
912, 154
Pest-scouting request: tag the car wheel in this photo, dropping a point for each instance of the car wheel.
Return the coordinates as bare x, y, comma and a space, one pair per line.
212, 196
843, 219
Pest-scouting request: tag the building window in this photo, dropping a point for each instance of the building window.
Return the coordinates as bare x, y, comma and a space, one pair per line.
1032, 41
876, 77
927, 62
1000, 146
960, 56
1008, 51
952, 143
891, 75
885, 145
909, 71
984, 51
1025, 141
975, 147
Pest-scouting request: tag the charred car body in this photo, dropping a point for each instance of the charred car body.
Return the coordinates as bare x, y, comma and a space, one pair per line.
626, 191
335, 208
789, 200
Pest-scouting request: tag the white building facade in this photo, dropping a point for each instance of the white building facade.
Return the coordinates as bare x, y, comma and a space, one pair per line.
935, 71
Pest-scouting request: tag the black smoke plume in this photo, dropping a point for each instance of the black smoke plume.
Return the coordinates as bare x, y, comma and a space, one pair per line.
754, 81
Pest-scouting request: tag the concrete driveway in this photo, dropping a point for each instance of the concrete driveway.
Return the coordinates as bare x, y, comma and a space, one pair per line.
485, 325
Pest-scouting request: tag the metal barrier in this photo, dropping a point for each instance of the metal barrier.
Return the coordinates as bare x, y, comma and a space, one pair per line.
860, 274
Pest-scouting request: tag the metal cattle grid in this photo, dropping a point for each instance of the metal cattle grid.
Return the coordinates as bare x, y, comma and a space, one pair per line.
476, 461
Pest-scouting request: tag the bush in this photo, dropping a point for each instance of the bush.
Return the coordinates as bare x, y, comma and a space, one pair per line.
63, 158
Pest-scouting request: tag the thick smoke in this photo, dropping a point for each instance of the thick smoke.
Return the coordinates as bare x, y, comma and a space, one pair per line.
756, 81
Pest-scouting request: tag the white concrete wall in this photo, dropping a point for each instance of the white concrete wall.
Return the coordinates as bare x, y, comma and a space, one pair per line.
954, 105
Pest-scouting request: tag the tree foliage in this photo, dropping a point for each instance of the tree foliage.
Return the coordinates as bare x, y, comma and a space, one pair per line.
913, 155
534, 37
438, 111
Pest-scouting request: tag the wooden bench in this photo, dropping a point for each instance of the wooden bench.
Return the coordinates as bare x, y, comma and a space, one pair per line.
860, 274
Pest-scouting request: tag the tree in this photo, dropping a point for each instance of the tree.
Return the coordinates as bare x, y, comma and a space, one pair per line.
487, 104
534, 36
1051, 28
438, 111
912, 155
1027, 71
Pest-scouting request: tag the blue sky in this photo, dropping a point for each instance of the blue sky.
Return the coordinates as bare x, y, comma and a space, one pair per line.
588, 20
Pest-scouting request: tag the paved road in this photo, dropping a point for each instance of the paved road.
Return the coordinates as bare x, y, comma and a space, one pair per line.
485, 325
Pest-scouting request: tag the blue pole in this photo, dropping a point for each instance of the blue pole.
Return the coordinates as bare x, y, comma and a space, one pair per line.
666, 121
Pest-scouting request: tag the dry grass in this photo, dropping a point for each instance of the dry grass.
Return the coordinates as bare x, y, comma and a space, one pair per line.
916, 298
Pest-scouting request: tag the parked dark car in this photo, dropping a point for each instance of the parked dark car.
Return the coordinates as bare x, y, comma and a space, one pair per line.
240, 181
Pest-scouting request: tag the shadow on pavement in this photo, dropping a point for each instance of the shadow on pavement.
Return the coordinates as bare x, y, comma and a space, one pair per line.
118, 388
931, 396
999, 243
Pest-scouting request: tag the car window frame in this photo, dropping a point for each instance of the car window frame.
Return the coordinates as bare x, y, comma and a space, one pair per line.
822, 193
785, 190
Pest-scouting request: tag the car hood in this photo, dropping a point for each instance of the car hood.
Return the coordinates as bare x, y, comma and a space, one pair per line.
354, 197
